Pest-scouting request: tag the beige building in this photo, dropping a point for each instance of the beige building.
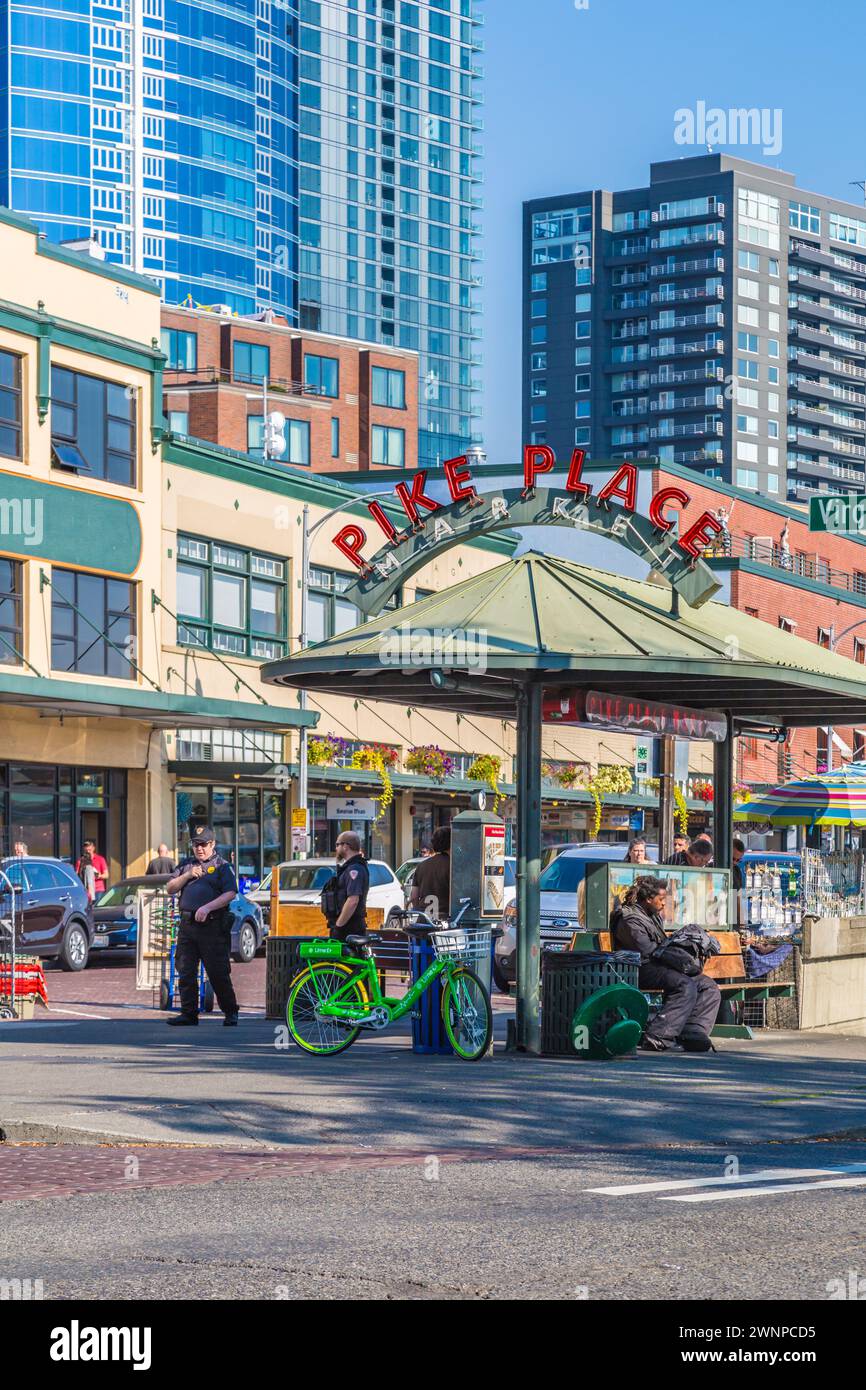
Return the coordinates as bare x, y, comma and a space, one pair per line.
143, 582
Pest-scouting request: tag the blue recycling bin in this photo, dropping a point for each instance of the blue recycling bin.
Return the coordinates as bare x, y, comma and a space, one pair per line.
428, 1031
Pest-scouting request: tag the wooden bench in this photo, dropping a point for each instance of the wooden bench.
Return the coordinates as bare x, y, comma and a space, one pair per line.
728, 969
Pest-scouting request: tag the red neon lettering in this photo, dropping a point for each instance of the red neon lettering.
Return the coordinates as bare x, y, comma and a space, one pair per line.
572, 482
660, 501
458, 478
531, 468
411, 501
623, 484
381, 520
350, 542
698, 536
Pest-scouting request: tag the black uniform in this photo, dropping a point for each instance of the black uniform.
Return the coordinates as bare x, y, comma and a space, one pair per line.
209, 941
690, 1001
351, 880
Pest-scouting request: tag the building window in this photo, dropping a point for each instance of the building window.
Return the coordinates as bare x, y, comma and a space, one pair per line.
93, 426
824, 638
787, 625
328, 612
322, 376
860, 651
388, 446
92, 624
178, 421
335, 437
10, 405
230, 600
251, 361
389, 388
256, 435
181, 349
859, 745
11, 629
298, 442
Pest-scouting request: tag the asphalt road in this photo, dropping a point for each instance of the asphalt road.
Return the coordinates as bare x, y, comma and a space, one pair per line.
469, 1230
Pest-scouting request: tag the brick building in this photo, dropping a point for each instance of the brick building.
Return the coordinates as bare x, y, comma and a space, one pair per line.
809, 583
349, 406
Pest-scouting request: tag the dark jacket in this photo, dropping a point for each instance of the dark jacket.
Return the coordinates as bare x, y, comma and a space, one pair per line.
637, 929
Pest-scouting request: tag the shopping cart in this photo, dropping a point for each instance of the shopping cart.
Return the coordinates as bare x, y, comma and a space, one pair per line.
159, 920
7, 947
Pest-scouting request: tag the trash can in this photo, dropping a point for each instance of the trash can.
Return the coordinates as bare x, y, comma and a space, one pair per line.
428, 1030
568, 979
282, 963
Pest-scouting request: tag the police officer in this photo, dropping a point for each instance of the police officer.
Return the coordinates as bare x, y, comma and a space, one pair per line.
207, 885
344, 897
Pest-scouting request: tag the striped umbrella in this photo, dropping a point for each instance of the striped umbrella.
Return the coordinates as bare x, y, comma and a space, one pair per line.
838, 798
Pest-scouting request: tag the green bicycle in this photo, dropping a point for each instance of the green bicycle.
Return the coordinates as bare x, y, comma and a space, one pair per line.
334, 998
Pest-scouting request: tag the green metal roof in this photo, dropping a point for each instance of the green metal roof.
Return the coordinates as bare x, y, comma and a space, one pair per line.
547, 619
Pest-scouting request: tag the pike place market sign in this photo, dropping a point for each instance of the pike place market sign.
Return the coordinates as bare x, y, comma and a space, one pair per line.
611, 512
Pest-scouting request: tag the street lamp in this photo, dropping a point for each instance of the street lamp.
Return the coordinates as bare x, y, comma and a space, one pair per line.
835, 639
308, 532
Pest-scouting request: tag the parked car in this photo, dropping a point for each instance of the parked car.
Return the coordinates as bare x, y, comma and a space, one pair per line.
559, 884
301, 881
52, 912
406, 875
115, 915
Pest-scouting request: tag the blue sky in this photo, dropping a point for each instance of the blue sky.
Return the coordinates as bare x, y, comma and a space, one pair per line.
585, 98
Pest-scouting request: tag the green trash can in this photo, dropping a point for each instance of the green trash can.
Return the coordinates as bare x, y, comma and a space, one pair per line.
568, 980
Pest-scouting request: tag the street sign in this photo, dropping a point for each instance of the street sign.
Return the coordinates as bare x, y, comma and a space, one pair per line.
299, 840
846, 513
643, 760
299, 818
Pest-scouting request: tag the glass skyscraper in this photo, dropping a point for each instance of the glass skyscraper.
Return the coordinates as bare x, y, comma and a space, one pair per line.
167, 129
389, 192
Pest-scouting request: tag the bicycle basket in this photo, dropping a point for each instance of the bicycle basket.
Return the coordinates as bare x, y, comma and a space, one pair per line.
468, 944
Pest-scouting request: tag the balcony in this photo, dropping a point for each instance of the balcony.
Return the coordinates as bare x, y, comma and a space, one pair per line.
768, 553
711, 318
806, 251
820, 337
826, 391
689, 349
629, 277
712, 264
817, 415
688, 431
698, 456
669, 376
711, 210
825, 362
689, 296
828, 444
826, 284
690, 403
699, 237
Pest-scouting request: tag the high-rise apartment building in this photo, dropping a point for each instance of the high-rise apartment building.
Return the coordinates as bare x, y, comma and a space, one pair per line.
389, 192
716, 318
168, 130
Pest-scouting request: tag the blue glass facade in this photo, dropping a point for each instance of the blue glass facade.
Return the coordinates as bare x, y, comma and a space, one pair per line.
389, 197
169, 130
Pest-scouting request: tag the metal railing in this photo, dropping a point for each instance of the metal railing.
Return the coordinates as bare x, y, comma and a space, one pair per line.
770, 553
220, 376
833, 885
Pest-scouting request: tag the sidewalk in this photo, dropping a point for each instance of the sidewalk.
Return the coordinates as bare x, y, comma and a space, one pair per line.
136, 1079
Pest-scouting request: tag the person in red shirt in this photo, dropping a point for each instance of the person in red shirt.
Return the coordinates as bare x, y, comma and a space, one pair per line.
99, 865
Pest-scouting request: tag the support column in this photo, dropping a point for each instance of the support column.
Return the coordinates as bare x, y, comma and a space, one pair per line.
529, 868
723, 798
667, 767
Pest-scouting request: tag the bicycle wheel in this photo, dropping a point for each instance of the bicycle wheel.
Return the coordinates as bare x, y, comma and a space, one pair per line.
323, 1036
466, 1014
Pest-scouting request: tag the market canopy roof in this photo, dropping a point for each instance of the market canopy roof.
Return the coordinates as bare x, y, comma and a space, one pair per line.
542, 618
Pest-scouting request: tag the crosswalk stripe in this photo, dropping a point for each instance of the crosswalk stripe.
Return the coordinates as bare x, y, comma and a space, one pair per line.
765, 1191
761, 1175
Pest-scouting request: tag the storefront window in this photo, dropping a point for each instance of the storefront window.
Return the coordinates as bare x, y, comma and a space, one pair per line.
53, 810
249, 825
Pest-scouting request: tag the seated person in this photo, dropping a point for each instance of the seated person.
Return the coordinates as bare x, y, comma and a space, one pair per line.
691, 1002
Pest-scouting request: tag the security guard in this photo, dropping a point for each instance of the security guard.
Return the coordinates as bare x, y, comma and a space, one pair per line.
344, 897
207, 885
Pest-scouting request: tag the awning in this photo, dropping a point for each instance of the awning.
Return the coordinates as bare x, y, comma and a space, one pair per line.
543, 619
159, 709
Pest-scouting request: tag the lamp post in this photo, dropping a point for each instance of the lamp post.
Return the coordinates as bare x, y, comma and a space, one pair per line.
835, 639
307, 534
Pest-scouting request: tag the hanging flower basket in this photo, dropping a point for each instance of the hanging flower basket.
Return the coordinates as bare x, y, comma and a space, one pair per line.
703, 791
487, 768
323, 751
428, 760
371, 759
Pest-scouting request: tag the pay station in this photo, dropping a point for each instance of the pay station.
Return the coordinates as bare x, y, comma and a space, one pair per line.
478, 863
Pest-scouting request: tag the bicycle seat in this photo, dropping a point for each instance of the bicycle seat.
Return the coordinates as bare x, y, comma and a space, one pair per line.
421, 928
357, 941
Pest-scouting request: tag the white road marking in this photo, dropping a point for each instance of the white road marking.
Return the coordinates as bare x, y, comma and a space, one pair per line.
765, 1191
73, 1013
761, 1175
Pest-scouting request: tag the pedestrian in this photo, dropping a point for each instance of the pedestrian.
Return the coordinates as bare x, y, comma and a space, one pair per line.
681, 844
87, 874
98, 864
698, 855
344, 896
431, 884
690, 1003
207, 886
636, 852
162, 864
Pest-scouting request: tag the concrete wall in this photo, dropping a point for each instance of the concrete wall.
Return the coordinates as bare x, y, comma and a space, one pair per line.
833, 980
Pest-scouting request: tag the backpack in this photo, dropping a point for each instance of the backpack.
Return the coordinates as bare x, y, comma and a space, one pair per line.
687, 950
